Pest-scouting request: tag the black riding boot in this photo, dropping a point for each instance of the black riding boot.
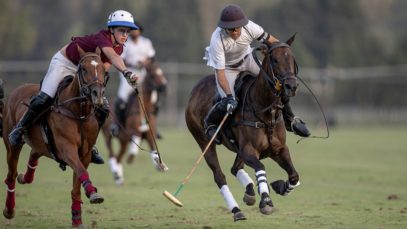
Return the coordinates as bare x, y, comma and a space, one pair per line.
292, 123
38, 103
212, 120
101, 115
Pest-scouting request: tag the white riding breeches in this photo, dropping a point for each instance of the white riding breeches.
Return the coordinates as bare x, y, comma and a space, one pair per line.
125, 89
59, 67
249, 64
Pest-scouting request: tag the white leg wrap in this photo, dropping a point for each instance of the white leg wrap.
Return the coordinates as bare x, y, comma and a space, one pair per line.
227, 195
290, 188
243, 178
113, 164
119, 170
262, 182
154, 97
32, 167
134, 145
119, 173
143, 126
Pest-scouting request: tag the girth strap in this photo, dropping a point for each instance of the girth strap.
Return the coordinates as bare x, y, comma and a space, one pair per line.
254, 124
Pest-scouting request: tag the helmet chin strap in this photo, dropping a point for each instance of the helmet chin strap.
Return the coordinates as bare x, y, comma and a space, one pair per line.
115, 40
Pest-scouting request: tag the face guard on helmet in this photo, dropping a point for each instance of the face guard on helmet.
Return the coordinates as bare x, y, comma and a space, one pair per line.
232, 16
121, 18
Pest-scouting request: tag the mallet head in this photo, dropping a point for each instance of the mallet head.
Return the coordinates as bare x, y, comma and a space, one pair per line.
172, 199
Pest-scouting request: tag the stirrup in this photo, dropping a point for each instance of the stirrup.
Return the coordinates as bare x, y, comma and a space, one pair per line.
299, 128
95, 156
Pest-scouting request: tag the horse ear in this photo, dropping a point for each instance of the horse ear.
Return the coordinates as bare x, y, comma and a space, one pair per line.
291, 39
98, 51
80, 50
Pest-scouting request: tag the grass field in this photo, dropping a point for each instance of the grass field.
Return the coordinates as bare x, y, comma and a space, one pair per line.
345, 183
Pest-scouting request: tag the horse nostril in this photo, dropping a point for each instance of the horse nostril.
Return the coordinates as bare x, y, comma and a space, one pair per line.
287, 87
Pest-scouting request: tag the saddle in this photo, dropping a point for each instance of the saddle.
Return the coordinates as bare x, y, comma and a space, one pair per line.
243, 78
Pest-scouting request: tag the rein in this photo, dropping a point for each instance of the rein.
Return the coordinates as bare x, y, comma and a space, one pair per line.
275, 85
272, 80
322, 111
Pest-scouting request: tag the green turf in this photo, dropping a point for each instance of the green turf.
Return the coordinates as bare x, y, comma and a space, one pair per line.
345, 183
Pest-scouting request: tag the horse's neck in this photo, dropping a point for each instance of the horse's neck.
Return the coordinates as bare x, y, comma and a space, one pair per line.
71, 92
263, 93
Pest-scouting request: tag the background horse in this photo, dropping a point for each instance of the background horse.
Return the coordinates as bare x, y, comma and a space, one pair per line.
129, 135
73, 126
254, 131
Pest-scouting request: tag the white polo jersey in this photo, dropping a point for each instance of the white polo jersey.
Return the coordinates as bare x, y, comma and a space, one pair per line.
134, 53
223, 50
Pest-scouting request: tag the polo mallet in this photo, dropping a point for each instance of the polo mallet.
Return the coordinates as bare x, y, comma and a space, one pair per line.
163, 167
173, 198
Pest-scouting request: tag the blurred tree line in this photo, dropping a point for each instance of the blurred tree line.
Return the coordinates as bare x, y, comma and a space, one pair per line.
329, 33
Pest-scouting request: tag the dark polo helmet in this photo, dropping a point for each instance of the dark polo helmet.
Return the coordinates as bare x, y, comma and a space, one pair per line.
232, 16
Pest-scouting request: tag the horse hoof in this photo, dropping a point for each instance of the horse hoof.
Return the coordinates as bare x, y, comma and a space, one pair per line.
279, 186
119, 181
266, 210
95, 198
266, 204
249, 200
20, 178
78, 226
130, 159
8, 213
239, 216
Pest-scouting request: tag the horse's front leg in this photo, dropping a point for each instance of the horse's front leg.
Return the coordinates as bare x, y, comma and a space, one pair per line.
251, 158
28, 176
69, 154
211, 159
281, 187
237, 170
117, 165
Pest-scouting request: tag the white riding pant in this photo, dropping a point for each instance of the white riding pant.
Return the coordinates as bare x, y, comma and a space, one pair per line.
249, 64
125, 89
59, 67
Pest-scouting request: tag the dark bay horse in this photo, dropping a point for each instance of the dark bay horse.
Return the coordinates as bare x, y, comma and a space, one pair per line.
254, 131
129, 134
74, 129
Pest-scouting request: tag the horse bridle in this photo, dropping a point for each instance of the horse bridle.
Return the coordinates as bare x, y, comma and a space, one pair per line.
275, 81
84, 87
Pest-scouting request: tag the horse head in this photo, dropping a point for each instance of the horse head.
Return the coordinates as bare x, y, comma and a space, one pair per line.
156, 77
280, 67
91, 76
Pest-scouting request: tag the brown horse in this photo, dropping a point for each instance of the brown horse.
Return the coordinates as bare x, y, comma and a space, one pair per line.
129, 134
73, 127
254, 131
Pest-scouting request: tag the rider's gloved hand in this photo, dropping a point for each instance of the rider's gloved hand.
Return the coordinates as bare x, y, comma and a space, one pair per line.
231, 103
130, 77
